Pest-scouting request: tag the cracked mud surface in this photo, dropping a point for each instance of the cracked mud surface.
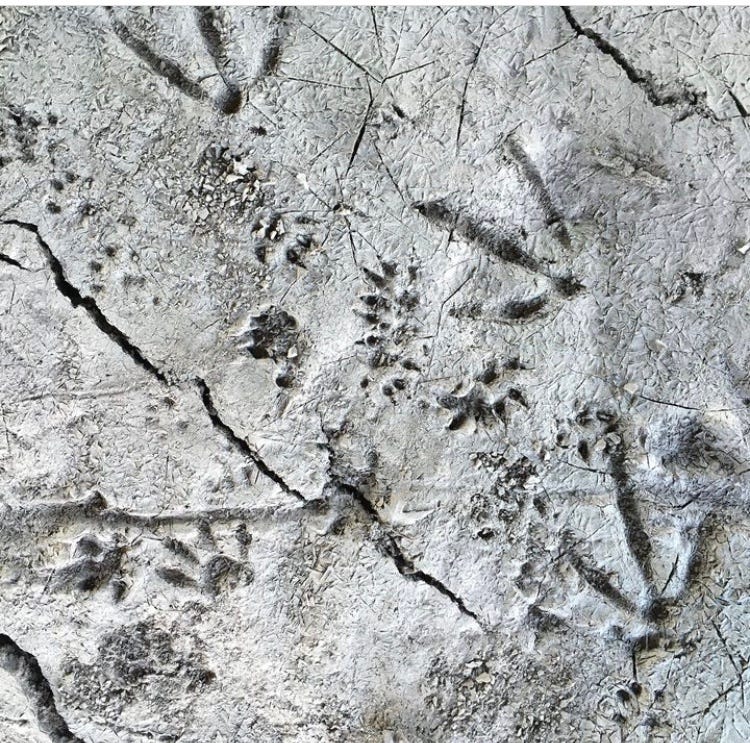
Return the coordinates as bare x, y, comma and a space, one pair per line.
374, 375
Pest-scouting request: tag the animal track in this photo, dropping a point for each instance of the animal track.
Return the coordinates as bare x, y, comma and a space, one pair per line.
478, 404
203, 551
647, 603
386, 308
274, 334
216, 573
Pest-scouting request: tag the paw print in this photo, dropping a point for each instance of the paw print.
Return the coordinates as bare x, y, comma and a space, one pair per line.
213, 573
274, 334
384, 308
478, 403
95, 564
207, 552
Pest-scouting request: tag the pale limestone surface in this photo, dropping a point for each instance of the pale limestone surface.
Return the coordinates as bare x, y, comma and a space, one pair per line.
374, 375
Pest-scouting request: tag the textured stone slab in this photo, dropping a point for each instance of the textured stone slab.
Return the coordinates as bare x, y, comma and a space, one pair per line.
374, 374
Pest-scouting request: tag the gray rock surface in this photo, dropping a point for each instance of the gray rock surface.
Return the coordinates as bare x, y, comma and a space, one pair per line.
374, 375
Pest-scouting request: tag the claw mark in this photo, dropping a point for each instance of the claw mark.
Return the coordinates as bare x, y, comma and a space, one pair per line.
644, 80
552, 214
30, 677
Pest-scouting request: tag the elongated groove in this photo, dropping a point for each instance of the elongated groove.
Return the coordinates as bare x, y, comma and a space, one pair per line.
597, 579
29, 676
160, 66
208, 27
553, 216
271, 51
231, 100
502, 243
626, 502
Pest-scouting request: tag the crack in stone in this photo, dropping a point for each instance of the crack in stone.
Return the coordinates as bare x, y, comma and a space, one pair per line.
741, 110
76, 299
12, 262
74, 296
404, 565
239, 443
36, 688
644, 80
389, 544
